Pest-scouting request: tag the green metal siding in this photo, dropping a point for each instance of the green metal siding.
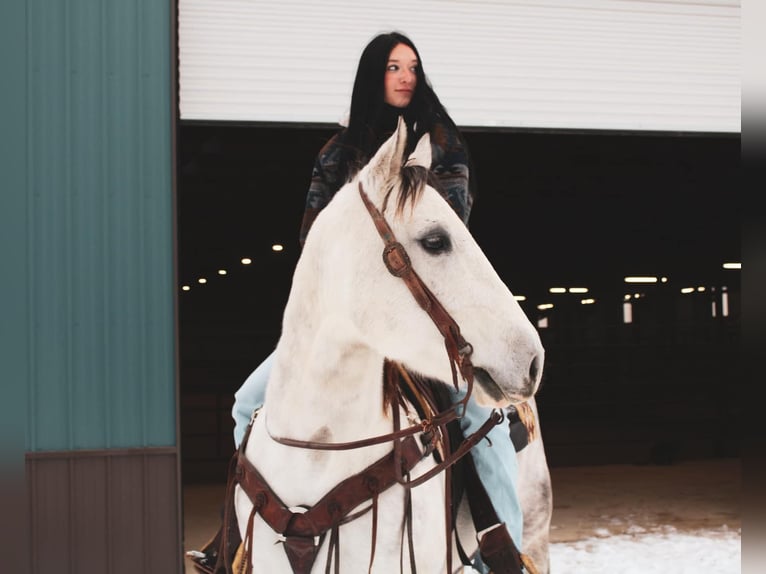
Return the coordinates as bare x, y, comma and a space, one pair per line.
100, 349
13, 248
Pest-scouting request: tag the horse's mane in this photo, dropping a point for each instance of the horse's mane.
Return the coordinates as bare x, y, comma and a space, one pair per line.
412, 181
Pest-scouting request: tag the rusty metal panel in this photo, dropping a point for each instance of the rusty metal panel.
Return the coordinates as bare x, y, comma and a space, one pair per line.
103, 511
49, 515
89, 488
100, 348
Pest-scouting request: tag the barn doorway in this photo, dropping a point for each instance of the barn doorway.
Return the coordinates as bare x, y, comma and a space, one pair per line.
631, 377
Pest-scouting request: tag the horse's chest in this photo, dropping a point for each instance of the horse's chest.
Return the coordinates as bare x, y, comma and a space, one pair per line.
356, 537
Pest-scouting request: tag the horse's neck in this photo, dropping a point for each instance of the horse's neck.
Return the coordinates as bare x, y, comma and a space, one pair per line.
326, 383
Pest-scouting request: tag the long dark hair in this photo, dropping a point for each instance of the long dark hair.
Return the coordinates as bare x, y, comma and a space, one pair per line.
372, 120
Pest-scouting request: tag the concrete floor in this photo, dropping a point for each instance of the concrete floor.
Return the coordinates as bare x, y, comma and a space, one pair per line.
588, 501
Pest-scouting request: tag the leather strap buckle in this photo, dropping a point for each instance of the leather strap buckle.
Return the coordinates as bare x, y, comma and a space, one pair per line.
396, 259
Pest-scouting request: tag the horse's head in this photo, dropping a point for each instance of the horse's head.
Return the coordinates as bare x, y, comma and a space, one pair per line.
379, 308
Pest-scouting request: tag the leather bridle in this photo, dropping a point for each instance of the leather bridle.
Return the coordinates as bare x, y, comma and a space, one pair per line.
459, 352
399, 265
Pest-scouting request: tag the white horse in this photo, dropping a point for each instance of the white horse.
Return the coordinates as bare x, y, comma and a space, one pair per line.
344, 315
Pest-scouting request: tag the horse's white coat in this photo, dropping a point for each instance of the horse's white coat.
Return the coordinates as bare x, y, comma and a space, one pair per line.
345, 313
535, 496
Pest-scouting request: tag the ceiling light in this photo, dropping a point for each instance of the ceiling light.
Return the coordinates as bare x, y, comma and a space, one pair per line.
246, 261
520, 297
222, 272
201, 280
545, 306
578, 289
732, 265
588, 301
640, 280
185, 288
700, 289
687, 290
277, 247
557, 290
627, 313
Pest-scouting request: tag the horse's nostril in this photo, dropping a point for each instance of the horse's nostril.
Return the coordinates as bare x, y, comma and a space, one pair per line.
534, 368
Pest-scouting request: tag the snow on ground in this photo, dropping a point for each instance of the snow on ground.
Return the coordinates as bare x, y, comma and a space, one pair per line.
641, 552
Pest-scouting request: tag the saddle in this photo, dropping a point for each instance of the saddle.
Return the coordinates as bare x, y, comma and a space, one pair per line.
303, 532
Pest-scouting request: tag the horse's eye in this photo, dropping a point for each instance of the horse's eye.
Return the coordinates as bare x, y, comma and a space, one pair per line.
436, 243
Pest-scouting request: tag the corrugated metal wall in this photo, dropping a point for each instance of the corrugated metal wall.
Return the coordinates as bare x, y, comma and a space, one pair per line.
88, 252
103, 513
99, 225
667, 65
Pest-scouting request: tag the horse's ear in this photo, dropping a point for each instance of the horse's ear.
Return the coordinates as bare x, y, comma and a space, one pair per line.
387, 161
422, 154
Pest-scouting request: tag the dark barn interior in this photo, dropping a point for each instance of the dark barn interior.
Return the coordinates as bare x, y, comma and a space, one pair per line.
554, 209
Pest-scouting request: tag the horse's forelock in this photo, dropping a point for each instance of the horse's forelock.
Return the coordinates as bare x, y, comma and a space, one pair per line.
412, 181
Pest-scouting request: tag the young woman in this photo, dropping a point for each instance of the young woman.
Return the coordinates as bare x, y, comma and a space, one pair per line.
390, 82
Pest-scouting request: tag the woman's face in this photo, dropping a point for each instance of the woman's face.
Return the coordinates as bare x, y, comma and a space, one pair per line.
400, 79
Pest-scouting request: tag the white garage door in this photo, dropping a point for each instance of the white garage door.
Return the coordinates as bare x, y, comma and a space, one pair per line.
666, 65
